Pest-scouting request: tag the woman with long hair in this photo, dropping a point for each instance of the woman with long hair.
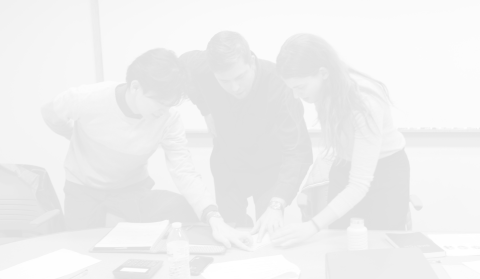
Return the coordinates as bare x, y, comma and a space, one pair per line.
369, 175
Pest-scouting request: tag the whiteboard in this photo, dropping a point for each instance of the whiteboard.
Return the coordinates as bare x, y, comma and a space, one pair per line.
427, 52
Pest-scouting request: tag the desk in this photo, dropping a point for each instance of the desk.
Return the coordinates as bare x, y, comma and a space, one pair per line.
309, 256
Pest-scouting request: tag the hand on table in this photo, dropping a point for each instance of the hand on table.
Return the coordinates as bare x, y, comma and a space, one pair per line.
270, 221
227, 235
293, 234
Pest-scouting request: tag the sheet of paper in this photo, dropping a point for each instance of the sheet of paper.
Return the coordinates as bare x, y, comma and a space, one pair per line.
53, 265
256, 268
126, 234
459, 271
458, 244
265, 241
475, 265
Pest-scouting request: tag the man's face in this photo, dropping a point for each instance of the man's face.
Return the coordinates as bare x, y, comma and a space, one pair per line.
237, 80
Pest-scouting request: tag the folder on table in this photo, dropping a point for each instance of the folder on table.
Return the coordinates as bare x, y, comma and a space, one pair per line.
133, 238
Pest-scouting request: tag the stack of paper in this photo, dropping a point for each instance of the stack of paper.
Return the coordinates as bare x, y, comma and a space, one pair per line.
133, 237
59, 264
256, 268
458, 244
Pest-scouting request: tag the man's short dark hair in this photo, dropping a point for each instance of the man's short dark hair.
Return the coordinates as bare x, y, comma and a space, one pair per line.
225, 48
159, 71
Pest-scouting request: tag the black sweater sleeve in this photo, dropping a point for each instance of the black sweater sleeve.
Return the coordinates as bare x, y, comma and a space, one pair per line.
196, 66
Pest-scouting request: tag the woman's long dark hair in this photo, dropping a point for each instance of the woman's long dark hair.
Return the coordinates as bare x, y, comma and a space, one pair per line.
302, 55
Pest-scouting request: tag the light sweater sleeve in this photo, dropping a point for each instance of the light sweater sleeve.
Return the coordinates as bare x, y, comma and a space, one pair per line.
180, 165
366, 152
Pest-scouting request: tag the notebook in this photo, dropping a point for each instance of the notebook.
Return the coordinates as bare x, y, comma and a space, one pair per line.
416, 239
393, 263
128, 237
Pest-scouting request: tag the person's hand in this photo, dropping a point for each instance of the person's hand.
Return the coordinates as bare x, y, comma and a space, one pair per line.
270, 221
293, 233
227, 235
210, 125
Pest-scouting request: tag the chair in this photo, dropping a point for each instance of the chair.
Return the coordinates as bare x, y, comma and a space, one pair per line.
417, 204
314, 197
29, 205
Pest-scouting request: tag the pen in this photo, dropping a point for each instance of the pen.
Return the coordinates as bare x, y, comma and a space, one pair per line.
80, 275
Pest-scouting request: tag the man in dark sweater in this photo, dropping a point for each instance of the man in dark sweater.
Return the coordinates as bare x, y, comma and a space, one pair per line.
261, 144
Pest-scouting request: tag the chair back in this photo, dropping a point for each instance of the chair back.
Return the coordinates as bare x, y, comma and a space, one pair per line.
26, 194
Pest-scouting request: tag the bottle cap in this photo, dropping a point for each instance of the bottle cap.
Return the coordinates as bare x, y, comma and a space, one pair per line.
356, 222
176, 225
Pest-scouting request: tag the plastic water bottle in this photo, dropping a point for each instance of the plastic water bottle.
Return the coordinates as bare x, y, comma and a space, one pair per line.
178, 253
357, 235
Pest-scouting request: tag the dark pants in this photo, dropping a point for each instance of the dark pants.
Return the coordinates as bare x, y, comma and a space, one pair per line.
86, 207
233, 188
385, 206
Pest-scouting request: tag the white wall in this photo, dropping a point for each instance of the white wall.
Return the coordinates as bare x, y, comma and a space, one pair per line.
45, 48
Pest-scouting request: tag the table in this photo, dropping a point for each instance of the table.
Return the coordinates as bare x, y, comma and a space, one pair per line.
309, 256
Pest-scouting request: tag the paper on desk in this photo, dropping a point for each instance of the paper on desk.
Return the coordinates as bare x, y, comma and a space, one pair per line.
265, 241
50, 266
475, 265
126, 234
256, 268
458, 244
459, 271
